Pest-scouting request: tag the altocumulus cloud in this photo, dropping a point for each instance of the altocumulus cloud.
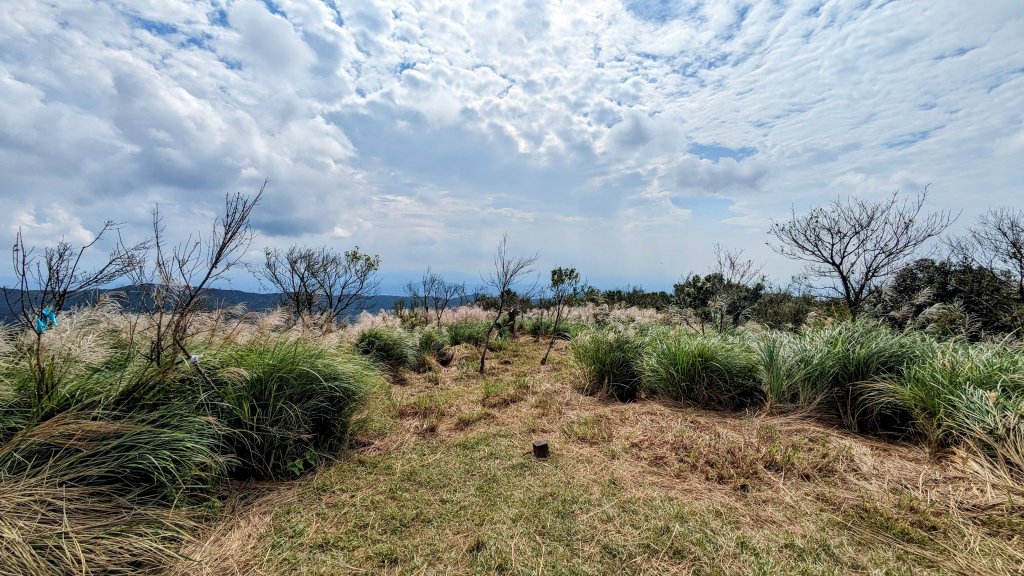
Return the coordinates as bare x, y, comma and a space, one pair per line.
620, 137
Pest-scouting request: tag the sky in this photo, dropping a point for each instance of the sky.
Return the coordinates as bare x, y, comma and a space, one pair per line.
624, 138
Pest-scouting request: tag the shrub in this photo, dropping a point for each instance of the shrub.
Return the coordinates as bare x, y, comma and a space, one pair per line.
390, 347
718, 372
608, 362
287, 404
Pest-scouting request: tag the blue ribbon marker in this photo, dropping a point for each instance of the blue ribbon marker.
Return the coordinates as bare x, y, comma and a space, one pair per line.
50, 321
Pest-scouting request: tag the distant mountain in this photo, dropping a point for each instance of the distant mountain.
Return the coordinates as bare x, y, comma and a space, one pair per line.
131, 297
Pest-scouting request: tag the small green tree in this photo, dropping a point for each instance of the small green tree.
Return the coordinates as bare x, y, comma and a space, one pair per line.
565, 287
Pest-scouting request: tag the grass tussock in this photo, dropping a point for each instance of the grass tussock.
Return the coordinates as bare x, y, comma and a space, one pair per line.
107, 474
862, 375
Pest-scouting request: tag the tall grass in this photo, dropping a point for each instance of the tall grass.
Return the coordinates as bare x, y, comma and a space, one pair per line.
717, 371
283, 405
608, 362
103, 474
391, 348
846, 359
469, 331
964, 393
862, 375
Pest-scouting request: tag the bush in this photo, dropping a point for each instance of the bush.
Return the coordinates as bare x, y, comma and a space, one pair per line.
718, 372
608, 362
390, 347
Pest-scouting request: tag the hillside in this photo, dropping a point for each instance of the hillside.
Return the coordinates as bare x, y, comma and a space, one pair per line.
131, 297
443, 482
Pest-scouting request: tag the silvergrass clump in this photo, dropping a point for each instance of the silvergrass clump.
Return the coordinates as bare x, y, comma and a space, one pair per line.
430, 341
608, 362
285, 405
786, 380
717, 371
965, 393
467, 332
392, 348
843, 361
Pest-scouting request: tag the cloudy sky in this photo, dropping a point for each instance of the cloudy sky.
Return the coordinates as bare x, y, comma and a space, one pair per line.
621, 137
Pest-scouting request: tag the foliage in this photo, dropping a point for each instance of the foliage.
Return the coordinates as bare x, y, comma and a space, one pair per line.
608, 361
718, 372
782, 310
924, 294
392, 348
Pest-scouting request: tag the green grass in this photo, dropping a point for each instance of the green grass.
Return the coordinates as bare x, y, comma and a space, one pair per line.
391, 348
608, 361
467, 332
285, 405
718, 372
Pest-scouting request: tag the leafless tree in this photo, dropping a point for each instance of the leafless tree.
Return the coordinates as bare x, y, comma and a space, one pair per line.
998, 241
565, 286
176, 282
434, 294
854, 245
740, 277
44, 281
321, 282
508, 271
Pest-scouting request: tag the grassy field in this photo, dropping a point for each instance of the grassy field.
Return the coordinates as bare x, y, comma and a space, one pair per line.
441, 481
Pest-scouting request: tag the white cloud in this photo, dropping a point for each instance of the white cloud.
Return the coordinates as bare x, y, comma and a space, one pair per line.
422, 130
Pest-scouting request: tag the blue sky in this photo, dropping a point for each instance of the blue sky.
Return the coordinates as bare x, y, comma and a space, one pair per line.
624, 138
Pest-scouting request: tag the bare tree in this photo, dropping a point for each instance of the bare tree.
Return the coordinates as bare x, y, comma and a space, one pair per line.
180, 275
45, 281
424, 293
321, 282
741, 285
998, 239
565, 286
508, 271
855, 245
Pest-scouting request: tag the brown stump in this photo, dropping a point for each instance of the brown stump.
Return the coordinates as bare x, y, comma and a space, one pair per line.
540, 448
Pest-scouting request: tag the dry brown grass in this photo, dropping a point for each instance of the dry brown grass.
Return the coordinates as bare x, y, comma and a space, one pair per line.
447, 486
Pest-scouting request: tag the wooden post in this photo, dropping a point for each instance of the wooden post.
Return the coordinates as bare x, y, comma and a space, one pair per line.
540, 448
